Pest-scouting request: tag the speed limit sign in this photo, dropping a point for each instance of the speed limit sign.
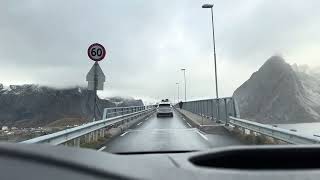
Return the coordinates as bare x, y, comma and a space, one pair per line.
96, 52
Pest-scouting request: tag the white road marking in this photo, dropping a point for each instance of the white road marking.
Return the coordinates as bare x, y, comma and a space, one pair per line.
189, 125
139, 123
124, 134
203, 136
167, 130
101, 149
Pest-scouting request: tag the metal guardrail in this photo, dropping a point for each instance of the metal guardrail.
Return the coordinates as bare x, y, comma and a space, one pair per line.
91, 129
274, 132
229, 113
118, 111
209, 108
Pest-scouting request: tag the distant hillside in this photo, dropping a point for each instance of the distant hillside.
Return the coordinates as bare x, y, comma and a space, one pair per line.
123, 102
279, 93
32, 105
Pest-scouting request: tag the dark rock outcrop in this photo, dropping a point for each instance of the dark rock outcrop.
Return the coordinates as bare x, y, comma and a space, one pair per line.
33, 105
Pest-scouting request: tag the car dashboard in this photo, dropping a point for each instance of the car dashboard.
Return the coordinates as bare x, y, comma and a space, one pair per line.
34, 161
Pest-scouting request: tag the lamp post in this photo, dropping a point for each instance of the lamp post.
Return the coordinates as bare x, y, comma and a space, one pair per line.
210, 6
185, 85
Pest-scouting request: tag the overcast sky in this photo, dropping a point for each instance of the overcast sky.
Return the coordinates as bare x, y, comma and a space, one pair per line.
148, 42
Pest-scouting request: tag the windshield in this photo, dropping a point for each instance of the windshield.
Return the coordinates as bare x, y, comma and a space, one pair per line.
234, 73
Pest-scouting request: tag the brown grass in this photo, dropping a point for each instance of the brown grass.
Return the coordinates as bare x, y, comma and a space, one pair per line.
253, 139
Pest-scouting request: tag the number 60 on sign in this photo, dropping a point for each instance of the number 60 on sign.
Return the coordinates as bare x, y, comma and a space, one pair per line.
96, 52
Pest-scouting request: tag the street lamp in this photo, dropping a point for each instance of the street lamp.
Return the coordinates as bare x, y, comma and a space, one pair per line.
178, 92
207, 6
185, 85
215, 58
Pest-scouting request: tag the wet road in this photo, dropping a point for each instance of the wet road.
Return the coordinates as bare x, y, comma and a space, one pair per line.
166, 134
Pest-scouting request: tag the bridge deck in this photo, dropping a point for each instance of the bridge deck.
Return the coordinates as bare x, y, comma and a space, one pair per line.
166, 134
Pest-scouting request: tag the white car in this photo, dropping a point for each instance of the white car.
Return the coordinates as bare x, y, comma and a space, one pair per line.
164, 109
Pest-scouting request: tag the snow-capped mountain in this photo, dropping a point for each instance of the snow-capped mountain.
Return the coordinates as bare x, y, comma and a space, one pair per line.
33, 105
124, 102
280, 93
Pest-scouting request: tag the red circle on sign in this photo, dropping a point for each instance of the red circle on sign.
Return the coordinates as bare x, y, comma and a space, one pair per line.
94, 54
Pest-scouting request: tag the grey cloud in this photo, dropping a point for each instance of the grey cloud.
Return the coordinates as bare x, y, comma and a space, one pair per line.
148, 42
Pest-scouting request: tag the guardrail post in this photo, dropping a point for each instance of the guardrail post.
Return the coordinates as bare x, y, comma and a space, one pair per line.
76, 142
217, 109
211, 109
197, 110
103, 132
104, 116
207, 109
91, 137
226, 111
97, 135
85, 140
234, 108
243, 130
94, 136
201, 112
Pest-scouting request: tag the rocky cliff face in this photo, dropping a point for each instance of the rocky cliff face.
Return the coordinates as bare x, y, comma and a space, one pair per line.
279, 93
33, 105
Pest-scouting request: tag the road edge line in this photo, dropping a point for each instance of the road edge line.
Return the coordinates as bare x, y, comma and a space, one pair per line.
124, 133
202, 135
101, 149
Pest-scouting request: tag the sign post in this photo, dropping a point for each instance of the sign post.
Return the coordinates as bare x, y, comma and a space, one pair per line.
95, 76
